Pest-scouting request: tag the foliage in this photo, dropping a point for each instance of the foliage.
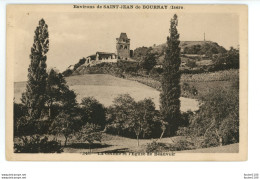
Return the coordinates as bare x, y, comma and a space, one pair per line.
140, 52
37, 144
58, 92
81, 62
188, 90
191, 63
93, 111
67, 72
142, 118
227, 60
229, 130
90, 133
33, 98
154, 147
170, 102
120, 112
149, 61
218, 117
66, 125
182, 144
206, 48
128, 116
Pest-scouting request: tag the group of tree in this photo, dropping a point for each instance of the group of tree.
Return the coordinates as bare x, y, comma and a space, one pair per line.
127, 117
227, 60
206, 48
49, 106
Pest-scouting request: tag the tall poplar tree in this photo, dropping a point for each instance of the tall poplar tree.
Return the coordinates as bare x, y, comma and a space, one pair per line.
170, 95
34, 97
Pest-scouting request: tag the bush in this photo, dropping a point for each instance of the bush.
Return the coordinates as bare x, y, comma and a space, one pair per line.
37, 144
155, 147
93, 111
89, 133
211, 139
218, 117
188, 90
230, 130
182, 144
23, 126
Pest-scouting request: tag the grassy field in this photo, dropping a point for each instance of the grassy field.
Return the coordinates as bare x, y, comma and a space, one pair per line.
106, 87
117, 144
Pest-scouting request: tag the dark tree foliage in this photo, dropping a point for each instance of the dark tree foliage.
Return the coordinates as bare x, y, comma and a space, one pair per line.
81, 62
227, 60
89, 133
93, 112
149, 61
65, 125
37, 144
170, 102
58, 93
33, 98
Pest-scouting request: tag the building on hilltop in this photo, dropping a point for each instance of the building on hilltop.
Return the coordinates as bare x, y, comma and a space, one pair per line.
123, 46
123, 53
101, 57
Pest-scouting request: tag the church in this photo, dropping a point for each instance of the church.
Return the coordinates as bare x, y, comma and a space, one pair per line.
122, 48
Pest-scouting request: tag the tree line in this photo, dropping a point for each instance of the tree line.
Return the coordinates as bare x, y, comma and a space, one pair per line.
49, 107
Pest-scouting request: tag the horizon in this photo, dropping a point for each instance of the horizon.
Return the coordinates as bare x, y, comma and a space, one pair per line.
98, 32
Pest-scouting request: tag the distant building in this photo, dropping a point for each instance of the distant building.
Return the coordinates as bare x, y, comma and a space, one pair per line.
123, 46
123, 52
101, 57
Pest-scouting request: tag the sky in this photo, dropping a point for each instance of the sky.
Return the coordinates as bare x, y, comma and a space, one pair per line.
74, 35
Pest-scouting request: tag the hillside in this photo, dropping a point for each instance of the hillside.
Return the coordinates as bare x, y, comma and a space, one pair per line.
191, 50
187, 47
106, 87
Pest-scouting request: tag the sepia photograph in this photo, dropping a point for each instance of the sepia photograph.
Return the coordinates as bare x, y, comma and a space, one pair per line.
126, 82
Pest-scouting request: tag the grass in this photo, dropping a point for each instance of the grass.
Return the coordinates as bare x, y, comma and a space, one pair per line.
105, 88
118, 144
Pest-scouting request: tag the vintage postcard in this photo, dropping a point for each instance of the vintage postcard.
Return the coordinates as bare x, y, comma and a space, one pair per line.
133, 82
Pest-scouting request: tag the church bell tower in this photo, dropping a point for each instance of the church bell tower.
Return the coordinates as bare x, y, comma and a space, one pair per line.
123, 46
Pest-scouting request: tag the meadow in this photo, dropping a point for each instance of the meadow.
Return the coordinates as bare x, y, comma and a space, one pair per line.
105, 88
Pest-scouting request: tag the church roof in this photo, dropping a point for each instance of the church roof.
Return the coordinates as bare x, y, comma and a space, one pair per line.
123, 35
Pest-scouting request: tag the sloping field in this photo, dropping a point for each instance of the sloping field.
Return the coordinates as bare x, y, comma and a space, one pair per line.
106, 87
117, 144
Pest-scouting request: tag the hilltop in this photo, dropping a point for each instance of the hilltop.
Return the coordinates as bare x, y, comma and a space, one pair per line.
201, 51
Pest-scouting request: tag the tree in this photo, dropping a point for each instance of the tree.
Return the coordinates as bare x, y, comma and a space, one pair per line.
142, 118
119, 112
148, 61
90, 133
93, 111
33, 98
138, 118
169, 98
58, 92
64, 124
227, 60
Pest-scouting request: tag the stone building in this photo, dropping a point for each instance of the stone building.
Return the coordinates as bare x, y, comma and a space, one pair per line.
101, 57
123, 46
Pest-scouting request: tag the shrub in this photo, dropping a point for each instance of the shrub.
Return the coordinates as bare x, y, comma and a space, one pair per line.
188, 90
37, 144
182, 144
89, 133
93, 111
155, 147
230, 130
218, 118
211, 139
